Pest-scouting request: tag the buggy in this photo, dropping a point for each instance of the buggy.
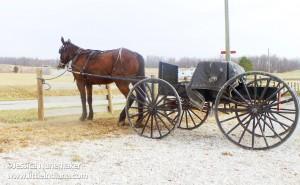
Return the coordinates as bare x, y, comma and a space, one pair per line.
254, 110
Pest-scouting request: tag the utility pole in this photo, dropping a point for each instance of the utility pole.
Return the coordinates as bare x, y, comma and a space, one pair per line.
269, 63
227, 38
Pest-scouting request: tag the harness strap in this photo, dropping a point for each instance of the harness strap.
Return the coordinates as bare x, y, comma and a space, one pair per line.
119, 58
119, 55
92, 54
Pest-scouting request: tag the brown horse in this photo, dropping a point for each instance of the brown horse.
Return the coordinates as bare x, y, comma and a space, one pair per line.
119, 62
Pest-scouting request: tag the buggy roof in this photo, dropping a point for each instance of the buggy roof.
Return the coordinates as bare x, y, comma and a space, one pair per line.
213, 75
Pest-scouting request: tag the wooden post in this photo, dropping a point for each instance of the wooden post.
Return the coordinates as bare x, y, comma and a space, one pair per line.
186, 79
109, 98
40, 94
154, 88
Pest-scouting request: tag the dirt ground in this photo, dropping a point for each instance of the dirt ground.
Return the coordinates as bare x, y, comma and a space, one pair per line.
108, 154
16, 136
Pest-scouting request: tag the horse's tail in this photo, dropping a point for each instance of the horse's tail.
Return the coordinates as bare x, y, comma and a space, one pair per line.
141, 71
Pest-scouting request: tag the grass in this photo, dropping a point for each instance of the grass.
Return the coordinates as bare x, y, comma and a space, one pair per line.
289, 75
29, 79
30, 92
18, 116
22, 86
24, 79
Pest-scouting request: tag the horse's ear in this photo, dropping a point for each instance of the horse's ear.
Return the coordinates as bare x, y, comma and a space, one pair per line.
62, 40
69, 40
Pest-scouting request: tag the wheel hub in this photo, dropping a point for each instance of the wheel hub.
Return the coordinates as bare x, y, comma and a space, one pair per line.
254, 110
152, 109
257, 109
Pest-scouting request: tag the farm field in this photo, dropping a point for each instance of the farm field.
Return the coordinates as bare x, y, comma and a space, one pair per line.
22, 86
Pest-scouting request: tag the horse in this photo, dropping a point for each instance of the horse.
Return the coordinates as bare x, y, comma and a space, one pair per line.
115, 63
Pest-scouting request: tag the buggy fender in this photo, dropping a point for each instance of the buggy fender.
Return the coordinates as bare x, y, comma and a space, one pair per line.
196, 98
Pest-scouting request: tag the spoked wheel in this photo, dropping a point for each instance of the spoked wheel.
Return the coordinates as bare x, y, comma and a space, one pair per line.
147, 111
260, 81
263, 113
192, 117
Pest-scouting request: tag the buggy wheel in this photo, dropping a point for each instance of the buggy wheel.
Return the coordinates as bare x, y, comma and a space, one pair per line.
147, 111
192, 117
263, 114
259, 83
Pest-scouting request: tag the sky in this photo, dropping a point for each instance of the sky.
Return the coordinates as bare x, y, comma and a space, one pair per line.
169, 28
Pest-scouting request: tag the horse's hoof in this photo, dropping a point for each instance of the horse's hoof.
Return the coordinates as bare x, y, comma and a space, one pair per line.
138, 125
82, 118
91, 116
122, 123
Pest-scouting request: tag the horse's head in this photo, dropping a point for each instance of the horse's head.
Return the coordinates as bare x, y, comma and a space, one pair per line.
67, 52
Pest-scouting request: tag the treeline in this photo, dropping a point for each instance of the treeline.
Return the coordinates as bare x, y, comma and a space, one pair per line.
260, 63
35, 62
276, 64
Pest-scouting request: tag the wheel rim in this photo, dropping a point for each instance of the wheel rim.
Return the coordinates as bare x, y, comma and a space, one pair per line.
148, 114
263, 113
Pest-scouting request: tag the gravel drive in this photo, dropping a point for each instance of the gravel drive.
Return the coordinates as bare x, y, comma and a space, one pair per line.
201, 156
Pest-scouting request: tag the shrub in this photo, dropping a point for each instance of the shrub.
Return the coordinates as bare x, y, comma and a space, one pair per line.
246, 64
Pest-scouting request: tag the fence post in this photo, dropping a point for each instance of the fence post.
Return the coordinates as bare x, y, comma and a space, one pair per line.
40, 94
154, 87
109, 98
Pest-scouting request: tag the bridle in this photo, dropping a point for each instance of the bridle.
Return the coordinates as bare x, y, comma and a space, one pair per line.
73, 59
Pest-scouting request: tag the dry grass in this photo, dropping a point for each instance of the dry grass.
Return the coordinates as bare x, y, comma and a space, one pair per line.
55, 130
22, 86
29, 79
24, 79
30, 92
18, 116
289, 75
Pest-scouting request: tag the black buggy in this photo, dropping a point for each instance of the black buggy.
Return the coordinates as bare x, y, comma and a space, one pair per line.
254, 110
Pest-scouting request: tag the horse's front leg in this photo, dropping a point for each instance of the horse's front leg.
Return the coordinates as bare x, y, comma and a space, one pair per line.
89, 89
81, 87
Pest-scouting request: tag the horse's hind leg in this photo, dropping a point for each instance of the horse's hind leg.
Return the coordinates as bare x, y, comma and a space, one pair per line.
141, 97
124, 88
89, 89
81, 88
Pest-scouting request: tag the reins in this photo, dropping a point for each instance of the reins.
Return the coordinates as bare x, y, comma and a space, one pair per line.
123, 78
47, 79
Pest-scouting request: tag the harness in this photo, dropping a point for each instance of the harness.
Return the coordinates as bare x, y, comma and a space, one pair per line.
119, 59
91, 55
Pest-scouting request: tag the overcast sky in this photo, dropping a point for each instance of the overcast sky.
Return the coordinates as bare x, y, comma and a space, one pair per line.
171, 28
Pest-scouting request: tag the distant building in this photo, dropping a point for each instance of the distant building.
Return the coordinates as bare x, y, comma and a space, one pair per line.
185, 72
